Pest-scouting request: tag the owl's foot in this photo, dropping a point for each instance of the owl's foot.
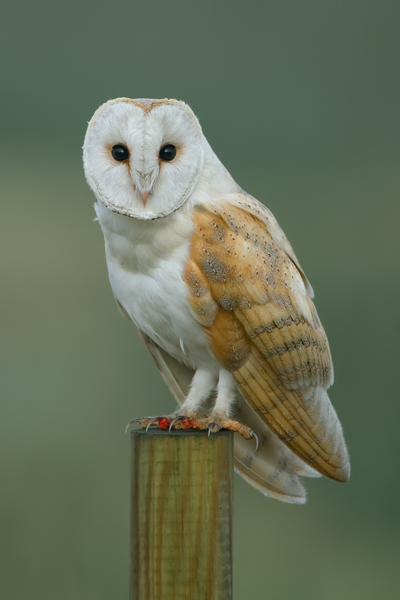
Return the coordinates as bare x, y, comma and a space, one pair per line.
200, 424
231, 425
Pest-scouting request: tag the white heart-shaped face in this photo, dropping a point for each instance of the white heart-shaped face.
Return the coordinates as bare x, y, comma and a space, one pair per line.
143, 184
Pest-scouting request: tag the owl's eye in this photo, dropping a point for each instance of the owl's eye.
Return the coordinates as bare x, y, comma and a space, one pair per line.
167, 152
119, 152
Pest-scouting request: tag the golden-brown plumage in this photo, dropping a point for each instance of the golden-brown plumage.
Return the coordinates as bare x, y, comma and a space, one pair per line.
243, 286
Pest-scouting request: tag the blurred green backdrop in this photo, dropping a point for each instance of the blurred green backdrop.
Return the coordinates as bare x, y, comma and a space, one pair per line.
300, 100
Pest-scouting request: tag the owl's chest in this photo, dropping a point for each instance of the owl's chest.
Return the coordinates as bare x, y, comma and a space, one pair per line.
145, 273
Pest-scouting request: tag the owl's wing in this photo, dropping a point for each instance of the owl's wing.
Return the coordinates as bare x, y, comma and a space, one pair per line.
274, 470
246, 288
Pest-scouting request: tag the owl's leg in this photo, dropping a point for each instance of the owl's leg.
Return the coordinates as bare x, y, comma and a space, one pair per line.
203, 385
220, 416
225, 396
205, 382
190, 414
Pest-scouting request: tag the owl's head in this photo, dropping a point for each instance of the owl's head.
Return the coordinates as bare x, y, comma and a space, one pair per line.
143, 158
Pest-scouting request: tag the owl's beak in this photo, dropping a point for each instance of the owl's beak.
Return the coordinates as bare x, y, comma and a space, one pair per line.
144, 196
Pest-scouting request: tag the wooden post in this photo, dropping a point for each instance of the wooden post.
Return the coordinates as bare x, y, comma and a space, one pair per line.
181, 516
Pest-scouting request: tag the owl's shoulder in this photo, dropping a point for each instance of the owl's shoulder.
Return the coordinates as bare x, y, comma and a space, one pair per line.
239, 254
239, 214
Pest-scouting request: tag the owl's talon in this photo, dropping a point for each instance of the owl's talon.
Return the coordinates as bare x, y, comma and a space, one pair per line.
178, 418
211, 426
133, 422
152, 421
255, 436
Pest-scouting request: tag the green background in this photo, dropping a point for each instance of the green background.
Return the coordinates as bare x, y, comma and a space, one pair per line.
300, 100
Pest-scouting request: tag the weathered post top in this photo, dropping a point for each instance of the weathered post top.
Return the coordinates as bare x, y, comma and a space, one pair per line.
181, 516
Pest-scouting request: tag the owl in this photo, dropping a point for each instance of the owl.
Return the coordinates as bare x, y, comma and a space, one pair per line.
211, 282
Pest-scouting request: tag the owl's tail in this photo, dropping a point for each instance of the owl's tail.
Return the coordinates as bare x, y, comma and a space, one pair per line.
274, 469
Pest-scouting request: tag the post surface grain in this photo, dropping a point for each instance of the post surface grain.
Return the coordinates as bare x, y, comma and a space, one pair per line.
181, 537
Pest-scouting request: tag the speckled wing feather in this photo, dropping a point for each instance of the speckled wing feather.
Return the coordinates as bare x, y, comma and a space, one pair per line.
273, 469
246, 288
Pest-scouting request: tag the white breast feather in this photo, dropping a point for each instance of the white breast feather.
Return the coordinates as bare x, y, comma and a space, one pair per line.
145, 263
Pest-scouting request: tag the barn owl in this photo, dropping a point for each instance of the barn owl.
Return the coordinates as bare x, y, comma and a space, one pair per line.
211, 282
